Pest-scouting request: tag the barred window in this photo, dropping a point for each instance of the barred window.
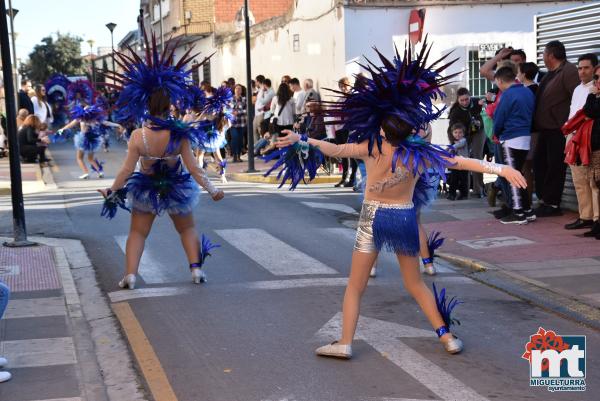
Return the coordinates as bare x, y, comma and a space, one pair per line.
478, 85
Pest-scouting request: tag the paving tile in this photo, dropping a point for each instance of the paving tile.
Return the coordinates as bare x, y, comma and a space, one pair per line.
35, 265
42, 384
30, 328
495, 242
37, 307
36, 294
39, 352
562, 272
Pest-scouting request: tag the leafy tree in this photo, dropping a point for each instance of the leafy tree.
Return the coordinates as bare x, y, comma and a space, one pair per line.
55, 55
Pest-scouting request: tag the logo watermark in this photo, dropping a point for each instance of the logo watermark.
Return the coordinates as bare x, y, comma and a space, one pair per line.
556, 362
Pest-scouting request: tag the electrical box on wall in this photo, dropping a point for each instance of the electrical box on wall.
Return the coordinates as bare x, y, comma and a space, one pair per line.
188, 15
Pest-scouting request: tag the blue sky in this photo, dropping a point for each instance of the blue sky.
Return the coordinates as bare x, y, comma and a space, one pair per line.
85, 18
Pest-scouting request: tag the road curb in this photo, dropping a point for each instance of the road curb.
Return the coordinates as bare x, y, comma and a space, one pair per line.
44, 181
259, 177
107, 369
532, 291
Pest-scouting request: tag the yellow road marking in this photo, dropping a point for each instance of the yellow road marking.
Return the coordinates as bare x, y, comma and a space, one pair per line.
144, 353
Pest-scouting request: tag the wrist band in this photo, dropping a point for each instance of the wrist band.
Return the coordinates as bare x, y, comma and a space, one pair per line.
491, 168
427, 261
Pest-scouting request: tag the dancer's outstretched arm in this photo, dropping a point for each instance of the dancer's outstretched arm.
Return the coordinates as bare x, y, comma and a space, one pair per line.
71, 124
352, 150
113, 125
198, 173
513, 176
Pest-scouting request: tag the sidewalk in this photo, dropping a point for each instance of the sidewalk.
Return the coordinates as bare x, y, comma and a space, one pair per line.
35, 179
238, 172
541, 253
58, 333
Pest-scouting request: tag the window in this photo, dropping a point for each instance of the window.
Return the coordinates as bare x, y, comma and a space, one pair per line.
195, 73
156, 10
478, 85
206, 72
296, 42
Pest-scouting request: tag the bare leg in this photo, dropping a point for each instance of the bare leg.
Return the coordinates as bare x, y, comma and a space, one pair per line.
141, 223
217, 156
357, 282
92, 161
184, 224
409, 266
200, 157
80, 162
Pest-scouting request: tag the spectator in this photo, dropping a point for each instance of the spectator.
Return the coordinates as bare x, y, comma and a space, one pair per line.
231, 83
552, 110
310, 93
467, 111
238, 124
286, 79
458, 179
341, 137
31, 147
592, 110
4, 296
21, 116
3, 142
268, 101
512, 127
283, 108
24, 102
259, 108
298, 94
527, 74
487, 69
41, 108
585, 188
314, 122
518, 56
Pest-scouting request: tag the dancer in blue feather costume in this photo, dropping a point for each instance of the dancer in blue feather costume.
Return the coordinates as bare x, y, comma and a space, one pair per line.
56, 90
383, 117
167, 176
92, 123
212, 111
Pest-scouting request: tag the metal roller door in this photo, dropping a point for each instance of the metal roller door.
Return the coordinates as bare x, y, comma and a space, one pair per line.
579, 29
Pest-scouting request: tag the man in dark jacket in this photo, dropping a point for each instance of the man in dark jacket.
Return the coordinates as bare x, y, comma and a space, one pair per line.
24, 100
552, 110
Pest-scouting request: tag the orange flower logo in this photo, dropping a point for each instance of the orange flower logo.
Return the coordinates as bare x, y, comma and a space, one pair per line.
544, 340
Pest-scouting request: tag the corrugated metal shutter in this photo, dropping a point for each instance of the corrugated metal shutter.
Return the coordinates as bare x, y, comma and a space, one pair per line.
579, 29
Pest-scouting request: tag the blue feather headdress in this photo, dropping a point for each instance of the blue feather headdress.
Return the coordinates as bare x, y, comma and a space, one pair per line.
220, 103
196, 99
88, 113
404, 88
81, 91
57, 88
142, 77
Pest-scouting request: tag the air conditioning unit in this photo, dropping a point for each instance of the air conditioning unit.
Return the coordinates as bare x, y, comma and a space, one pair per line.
188, 15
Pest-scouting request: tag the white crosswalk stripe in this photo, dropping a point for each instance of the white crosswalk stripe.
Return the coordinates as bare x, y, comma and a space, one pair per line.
340, 207
260, 246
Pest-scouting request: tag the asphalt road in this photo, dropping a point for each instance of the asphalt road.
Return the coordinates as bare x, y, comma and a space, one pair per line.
274, 294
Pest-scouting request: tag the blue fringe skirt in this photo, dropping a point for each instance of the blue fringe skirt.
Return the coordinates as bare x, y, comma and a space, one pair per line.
169, 189
214, 144
89, 141
391, 227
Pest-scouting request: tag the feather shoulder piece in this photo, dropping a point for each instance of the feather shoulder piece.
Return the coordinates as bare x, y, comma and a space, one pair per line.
56, 88
88, 113
194, 132
421, 157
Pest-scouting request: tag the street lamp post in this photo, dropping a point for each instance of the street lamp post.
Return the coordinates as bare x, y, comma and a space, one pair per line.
249, 129
12, 13
16, 184
111, 27
91, 43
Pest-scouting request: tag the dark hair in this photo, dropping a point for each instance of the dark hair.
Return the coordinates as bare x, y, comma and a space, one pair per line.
260, 79
505, 74
32, 121
518, 52
461, 92
294, 81
589, 56
556, 49
396, 130
231, 81
25, 82
460, 126
286, 79
284, 93
360, 81
159, 103
267, 82
530, 70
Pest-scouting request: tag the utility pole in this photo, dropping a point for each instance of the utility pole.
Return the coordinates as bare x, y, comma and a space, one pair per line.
249, 130
16, 184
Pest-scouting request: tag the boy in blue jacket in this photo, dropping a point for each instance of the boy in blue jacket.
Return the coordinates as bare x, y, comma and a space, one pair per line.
512, 127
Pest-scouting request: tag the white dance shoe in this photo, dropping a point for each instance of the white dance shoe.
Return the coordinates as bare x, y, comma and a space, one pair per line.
373, 272
101, 175
335, 350
454, 345
198, 276
84, 176
3, 362
5, 376
128, 282
429, 270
